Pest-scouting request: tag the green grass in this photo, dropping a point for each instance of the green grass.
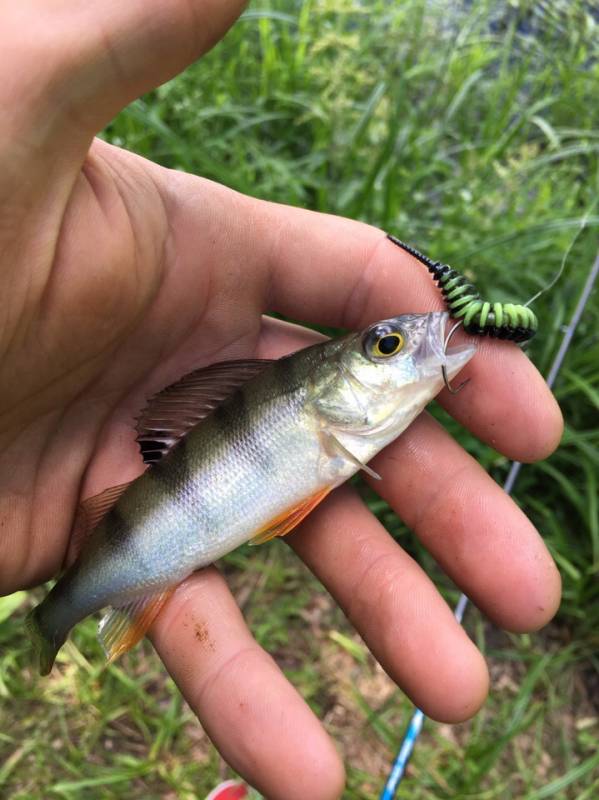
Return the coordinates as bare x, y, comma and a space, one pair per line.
475, 135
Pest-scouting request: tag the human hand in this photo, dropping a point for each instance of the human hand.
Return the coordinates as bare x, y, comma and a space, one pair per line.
120, 276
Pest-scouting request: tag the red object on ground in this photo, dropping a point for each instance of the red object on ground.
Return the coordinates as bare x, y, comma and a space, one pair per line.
229, 790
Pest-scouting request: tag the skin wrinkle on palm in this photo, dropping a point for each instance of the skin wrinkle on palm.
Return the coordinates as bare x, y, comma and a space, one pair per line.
105, 339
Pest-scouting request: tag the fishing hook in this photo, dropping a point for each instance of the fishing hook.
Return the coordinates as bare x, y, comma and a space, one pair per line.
448, 386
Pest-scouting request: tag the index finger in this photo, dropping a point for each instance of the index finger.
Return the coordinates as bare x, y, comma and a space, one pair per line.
330, 270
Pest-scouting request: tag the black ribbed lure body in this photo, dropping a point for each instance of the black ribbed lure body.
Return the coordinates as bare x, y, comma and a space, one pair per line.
517, 323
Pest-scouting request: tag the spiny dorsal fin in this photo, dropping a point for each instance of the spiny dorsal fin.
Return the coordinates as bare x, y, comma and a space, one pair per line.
174, 411
122, 628
89, 514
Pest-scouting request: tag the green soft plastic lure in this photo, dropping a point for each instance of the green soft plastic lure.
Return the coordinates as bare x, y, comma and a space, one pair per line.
517, 323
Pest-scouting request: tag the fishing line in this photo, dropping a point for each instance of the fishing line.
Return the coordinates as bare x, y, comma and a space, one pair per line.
417, 720
551, 284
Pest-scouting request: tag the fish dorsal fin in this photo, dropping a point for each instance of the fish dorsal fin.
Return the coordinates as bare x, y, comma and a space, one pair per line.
89, 513
174, 411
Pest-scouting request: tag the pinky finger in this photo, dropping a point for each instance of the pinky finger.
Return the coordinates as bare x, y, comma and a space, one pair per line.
256, 719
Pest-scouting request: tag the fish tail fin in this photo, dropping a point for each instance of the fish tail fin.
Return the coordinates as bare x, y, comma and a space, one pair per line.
46, 643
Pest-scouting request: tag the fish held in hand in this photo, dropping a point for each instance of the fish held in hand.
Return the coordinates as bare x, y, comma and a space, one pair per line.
239, 451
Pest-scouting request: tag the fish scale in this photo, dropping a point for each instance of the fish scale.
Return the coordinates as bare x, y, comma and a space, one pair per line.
247, 457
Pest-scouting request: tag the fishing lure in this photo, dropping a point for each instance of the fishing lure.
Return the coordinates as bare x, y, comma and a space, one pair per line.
239, 451
516, 323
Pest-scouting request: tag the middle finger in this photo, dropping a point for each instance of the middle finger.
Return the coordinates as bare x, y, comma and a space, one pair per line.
476, 532
394, 606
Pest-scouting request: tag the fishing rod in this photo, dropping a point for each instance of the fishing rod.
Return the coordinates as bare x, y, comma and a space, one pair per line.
417, 720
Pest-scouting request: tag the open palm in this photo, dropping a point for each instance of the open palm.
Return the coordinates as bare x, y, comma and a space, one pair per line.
119, 276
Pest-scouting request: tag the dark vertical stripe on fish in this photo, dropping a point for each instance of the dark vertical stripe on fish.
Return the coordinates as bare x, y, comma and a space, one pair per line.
242, 430
173, 471
232, 416
115, 527
284, 375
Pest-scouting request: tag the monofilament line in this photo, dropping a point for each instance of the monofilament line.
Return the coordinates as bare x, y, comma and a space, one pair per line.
558, 275
415, 725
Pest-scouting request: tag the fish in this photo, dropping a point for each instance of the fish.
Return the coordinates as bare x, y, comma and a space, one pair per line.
238, 451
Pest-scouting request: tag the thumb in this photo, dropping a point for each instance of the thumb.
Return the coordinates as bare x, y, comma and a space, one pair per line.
69, 67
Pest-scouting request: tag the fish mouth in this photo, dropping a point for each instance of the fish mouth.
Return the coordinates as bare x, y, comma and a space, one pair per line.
457, 357
434, 351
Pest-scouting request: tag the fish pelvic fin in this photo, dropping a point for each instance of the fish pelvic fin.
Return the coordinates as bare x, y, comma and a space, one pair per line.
122, 628
45, 643
287, 521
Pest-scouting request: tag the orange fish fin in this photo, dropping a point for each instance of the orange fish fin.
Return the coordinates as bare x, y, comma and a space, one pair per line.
173, 412
123, 627
287, 521
89, 514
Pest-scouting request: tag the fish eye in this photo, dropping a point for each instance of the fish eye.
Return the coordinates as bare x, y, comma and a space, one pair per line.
383, 342
388, 345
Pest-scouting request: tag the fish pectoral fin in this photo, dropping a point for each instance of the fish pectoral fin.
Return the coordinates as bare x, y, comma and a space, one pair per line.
286, 522
334, 444
123, 627
89, 514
